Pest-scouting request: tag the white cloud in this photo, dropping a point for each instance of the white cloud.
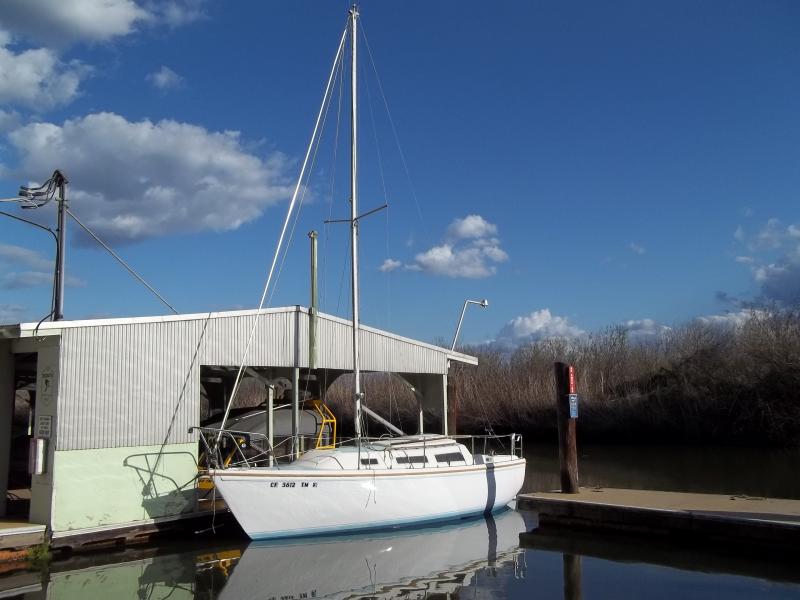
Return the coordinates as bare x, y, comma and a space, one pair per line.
730, 319
738, 235
471, 227
771, 236
636, 248
642, 328
37, 78
133, 180
17, 280
780, 282
61, 22
470, 251
27, 268
390, 265
11, 313
8, 120
178, 13
776, 264
540, 324
165, 79
471, 262
25, 279
17, 255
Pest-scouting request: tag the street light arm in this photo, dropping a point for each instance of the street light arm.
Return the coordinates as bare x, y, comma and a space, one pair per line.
482, 303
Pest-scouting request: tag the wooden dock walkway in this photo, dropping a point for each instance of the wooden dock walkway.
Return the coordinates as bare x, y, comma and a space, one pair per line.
710, 518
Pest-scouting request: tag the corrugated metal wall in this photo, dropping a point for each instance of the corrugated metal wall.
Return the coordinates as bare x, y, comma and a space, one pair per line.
133, 384
379, 351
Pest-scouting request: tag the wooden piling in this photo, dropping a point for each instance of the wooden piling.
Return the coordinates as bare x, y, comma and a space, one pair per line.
572, 577
567, 447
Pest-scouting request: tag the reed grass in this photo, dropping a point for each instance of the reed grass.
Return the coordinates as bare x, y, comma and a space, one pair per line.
698, 383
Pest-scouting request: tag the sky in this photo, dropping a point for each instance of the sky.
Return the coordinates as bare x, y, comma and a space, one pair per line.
580, 165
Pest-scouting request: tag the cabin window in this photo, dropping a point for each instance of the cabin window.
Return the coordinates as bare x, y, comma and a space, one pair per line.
369, 461
450, 457
414, 460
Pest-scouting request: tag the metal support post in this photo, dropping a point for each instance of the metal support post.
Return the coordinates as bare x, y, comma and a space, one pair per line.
296, 412
58, 300
271, 423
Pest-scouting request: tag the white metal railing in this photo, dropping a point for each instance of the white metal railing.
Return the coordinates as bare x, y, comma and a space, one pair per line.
253, 449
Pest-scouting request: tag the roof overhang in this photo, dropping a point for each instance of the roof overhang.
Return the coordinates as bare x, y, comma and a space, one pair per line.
55, 328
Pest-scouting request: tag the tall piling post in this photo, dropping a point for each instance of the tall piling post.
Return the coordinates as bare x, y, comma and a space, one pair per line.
572, 577
567, 411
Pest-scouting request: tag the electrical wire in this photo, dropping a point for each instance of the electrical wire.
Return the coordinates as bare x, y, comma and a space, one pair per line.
121, 261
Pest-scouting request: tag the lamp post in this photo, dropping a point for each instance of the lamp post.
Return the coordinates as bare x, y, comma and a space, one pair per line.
55, 188
482, 303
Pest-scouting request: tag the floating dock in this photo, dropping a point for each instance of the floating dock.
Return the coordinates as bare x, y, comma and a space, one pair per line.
16, 537
711, 518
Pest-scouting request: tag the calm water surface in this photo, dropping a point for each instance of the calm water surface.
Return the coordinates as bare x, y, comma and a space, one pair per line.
475, 558
715, 470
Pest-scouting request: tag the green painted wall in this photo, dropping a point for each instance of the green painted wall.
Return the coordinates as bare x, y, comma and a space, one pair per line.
113, 486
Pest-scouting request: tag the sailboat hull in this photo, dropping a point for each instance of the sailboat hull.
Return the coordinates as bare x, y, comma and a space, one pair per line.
279, 502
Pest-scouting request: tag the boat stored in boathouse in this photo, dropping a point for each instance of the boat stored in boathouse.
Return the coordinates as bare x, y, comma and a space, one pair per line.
96, 416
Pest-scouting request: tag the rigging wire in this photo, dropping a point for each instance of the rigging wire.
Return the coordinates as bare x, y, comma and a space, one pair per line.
326, 225
121, 261
302, 199
280, 239
347, 258
375, 136
385, 198
392, 399
394, 130
323, 294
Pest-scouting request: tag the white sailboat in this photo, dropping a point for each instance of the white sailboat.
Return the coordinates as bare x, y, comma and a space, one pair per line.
372, 483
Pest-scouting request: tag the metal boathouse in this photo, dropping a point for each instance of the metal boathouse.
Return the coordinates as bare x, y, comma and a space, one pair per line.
110, 404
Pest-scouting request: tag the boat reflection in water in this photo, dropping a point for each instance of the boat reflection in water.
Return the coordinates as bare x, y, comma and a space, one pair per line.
437, 559
400, 563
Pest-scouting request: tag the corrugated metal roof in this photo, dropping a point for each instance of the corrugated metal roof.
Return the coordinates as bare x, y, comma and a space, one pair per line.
126, 382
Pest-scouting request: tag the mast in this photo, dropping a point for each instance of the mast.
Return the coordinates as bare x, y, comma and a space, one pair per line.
354, 215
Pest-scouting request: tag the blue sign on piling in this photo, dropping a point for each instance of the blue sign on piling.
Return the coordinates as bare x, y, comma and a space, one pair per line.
573, 406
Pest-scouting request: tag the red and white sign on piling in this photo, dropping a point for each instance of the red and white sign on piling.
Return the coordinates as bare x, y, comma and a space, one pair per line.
573, 394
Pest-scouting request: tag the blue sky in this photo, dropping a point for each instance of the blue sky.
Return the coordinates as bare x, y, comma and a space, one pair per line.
578, 164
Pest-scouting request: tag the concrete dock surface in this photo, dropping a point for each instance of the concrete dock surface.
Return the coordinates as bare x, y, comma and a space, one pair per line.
16, 536
710, 517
